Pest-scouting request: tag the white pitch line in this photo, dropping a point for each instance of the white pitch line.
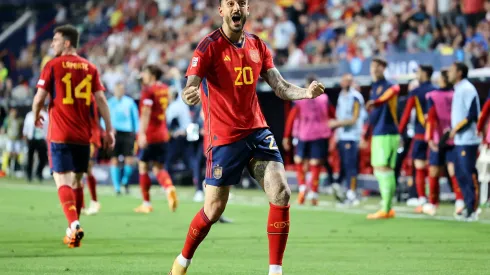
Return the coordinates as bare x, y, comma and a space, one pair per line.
251, 201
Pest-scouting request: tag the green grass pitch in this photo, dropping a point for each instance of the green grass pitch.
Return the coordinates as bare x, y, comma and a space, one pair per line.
323, 240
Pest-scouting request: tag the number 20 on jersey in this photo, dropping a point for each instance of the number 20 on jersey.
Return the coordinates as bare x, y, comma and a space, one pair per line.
245, 76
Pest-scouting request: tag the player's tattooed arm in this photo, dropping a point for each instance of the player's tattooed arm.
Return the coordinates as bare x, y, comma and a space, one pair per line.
288, 91
191, 95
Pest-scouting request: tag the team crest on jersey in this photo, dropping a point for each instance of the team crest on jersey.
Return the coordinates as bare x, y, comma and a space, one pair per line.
254, 55
217, 172
379, 90
347, 146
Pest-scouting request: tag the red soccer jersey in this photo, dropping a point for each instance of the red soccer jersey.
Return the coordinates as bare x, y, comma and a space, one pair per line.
156, 97
229, 79
71, 81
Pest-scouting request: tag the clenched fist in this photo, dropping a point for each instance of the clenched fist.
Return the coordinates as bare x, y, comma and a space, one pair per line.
315, 90
191, 96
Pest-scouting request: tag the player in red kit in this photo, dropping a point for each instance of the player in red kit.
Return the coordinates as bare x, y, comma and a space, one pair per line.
223, 74
71, 82
153, 137
95, 144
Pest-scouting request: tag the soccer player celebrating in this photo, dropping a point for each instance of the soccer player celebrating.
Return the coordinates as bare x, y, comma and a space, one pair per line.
350, 106
465, 109
438, 122
71, 82
383, 122
313, 133
153, 137
417, 100
228, 63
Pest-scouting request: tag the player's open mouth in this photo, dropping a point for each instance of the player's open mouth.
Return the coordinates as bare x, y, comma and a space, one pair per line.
236, 19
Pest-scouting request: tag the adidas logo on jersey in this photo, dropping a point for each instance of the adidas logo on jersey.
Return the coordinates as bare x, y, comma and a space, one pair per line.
227, 58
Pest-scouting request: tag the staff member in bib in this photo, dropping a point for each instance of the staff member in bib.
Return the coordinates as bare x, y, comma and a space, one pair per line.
465, 109
124, 116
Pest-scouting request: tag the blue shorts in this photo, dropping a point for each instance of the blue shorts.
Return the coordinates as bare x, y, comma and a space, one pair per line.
313, 149
442, 157
155, 152
66, 157
225, 163
419, 150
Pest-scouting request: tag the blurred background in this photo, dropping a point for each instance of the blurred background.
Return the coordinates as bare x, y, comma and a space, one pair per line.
326, 38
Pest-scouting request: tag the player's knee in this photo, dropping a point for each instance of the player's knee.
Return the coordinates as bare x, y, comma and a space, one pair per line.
298, 159
142, 167
450, 169
128, 161
114, 161
419, 164
433, 171
315, 162
282, 196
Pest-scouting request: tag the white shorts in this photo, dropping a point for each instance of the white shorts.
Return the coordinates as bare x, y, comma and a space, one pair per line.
13, 146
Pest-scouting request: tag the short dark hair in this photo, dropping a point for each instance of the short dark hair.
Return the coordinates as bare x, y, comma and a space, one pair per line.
70, 33
380, 61
427, 69
154, 71
445, 76
460, 66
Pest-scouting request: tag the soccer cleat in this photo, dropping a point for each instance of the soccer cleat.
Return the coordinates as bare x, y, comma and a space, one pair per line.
198, 196
429, 209
172, 198
314, 202
381, 215
301, 197
143, 209
126, 189
177, 269
458, 206
75, 237
419, 209
223, 219
93, 209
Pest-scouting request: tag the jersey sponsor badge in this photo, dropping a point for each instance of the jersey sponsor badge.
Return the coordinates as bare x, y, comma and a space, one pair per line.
41, 82
217, 172
194, 61
254, 55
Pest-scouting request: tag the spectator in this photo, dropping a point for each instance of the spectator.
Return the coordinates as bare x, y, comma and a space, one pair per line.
36, 143
424, 38
283, 36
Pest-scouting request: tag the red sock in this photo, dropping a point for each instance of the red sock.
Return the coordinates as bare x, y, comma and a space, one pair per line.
78, 192
67, 199
164, 179
420, 175
457, 190
434, 190
92, 182
300, 174
145, 184
198, 230
277, 231
315, 177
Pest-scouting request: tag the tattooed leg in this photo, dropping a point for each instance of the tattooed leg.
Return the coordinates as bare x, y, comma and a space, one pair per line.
272, 177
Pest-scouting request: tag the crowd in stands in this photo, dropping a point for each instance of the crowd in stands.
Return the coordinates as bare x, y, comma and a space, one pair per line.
122, 35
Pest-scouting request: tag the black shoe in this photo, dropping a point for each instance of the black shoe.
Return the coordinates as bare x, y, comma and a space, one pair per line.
223, 219
118, 193
126, 189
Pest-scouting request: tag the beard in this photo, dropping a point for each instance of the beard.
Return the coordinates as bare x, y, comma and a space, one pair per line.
236, 28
